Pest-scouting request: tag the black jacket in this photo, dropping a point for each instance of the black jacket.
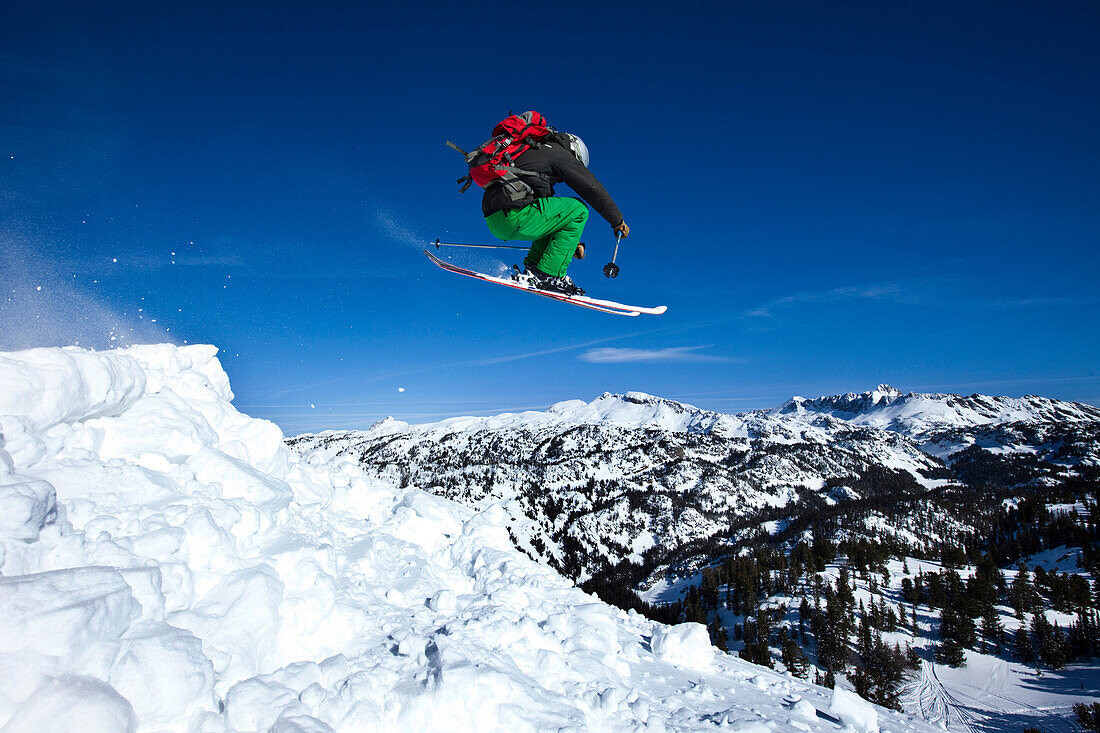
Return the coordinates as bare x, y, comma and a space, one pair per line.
558, 165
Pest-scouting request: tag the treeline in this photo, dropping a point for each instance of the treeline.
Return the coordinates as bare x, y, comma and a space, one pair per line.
844, 636
969, 618
616, 587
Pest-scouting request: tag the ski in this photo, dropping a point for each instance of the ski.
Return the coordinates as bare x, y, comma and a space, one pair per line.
604, 306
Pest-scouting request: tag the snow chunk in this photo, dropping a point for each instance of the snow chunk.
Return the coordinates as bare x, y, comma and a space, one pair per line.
854, 710
255, 704
301, 724
25, 508
443, 602
238, 480
804, 709
239, 623
164, 672
52, 386
162, 423
64, 613
7, 463
71, 703
687, 644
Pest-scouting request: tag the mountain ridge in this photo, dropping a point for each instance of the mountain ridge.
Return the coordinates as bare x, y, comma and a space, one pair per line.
884, 407
585, 480
914, 413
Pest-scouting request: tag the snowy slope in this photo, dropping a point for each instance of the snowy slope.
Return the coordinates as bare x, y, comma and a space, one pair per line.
166, 563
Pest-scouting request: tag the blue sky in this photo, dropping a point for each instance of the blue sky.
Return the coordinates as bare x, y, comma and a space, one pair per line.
826, 195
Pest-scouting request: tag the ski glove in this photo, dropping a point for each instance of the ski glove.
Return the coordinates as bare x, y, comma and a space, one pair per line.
622, 230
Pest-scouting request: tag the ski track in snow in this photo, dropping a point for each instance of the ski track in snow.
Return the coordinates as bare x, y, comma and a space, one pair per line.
168, 564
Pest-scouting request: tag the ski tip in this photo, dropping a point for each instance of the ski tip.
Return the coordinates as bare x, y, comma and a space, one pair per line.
660, 309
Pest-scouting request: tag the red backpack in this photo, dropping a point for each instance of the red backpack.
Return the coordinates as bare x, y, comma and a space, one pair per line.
494, 159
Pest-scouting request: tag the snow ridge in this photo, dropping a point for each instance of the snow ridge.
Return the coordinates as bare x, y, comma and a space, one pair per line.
166, 563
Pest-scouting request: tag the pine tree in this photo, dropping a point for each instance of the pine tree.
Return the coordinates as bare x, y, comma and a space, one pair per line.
936, 596
908, 591
1084, 635
757, 636
864, 638
1052, 651
982, 586
1022, 647
844, 589
890, 620
804, 612
951, 653
718, 635
832, 635
1088, 716
966, 632
992, 630
792, 657
879, 672
1041, 628
1022, 596
1080, 596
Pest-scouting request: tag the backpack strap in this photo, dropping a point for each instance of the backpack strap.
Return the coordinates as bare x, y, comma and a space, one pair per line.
517, 189
467, 179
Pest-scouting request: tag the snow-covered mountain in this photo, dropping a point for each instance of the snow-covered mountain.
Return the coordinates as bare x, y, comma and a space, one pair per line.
166, 563
589, 485
918, 414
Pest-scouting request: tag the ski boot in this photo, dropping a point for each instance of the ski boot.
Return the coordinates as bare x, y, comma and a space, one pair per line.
536, 278
563, 284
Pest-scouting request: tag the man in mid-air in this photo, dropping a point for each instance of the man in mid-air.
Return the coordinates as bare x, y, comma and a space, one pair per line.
527, 210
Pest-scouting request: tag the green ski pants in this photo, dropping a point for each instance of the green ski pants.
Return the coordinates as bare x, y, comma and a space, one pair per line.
553, 225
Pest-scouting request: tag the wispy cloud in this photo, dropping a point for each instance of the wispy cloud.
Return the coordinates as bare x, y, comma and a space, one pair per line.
506, 358
613, 355
881, 291
1022, 303
921, 291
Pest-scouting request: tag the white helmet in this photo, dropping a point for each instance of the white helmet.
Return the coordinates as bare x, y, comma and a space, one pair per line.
578, 148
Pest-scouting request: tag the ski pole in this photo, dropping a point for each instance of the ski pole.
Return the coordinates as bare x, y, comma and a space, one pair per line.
439, 244
611, 269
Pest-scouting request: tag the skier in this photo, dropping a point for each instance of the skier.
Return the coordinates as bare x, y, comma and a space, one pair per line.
553, 224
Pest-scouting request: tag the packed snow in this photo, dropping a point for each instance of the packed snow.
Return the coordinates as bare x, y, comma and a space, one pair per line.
166, 563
